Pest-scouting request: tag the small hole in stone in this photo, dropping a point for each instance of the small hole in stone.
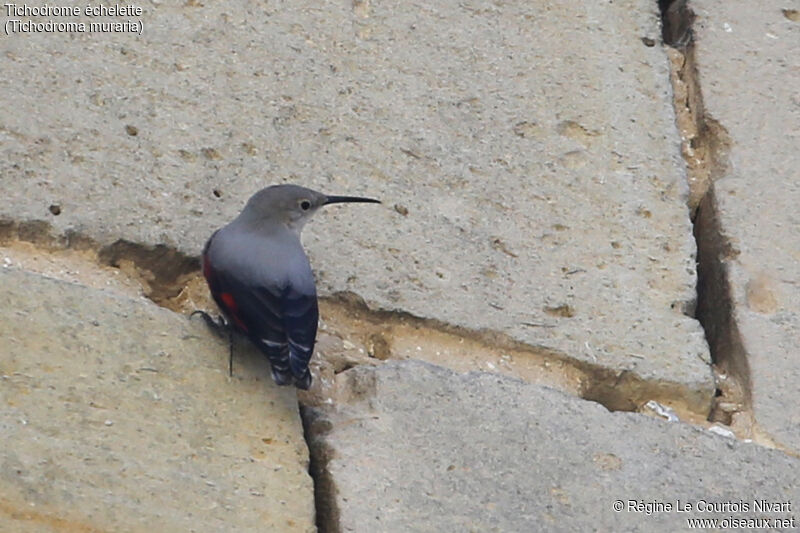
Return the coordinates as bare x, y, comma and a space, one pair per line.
217, 193
55, 209
133, 131
718, 393
648, 42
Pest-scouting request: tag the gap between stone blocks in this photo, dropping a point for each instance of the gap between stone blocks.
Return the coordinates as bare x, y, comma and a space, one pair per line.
351, 334
705, 146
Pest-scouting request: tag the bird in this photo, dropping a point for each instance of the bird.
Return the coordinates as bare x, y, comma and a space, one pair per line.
260, 277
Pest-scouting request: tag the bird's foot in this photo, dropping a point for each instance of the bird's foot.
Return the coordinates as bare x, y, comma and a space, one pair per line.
304, 382
219, 326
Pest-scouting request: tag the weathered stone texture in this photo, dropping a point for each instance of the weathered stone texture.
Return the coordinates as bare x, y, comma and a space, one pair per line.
749, 72
527, 156
117, 415
414, 447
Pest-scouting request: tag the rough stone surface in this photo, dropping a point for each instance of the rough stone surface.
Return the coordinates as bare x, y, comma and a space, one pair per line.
758, 191
117, 415
527, 157
496, 454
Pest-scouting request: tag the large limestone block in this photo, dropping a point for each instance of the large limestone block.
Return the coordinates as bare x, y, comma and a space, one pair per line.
749, 72
414, 447
526, 152
117, 415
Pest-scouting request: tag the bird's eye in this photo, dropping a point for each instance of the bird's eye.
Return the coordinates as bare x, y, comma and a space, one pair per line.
305, 205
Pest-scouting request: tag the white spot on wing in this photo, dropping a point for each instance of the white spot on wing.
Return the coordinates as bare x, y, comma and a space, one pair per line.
272, 344
299, 346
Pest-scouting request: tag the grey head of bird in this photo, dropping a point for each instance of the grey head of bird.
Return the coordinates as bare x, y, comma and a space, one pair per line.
290, 205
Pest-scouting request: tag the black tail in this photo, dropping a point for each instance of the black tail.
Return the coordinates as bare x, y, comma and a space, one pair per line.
278, 355
303, 382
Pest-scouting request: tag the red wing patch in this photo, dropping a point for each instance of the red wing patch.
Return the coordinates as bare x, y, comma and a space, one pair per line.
233, 309
227, 298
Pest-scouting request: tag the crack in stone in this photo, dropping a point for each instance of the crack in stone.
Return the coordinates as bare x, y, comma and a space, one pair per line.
676, 22
705, 147
172, 280
400, 335
161, 271
319, 455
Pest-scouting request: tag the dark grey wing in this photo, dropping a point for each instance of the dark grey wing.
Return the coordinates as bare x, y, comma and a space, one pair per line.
300, 318
281, 322
257, 312
268, 332
266, 286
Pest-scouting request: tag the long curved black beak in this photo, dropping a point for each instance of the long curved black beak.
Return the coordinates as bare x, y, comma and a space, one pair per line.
345, 199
